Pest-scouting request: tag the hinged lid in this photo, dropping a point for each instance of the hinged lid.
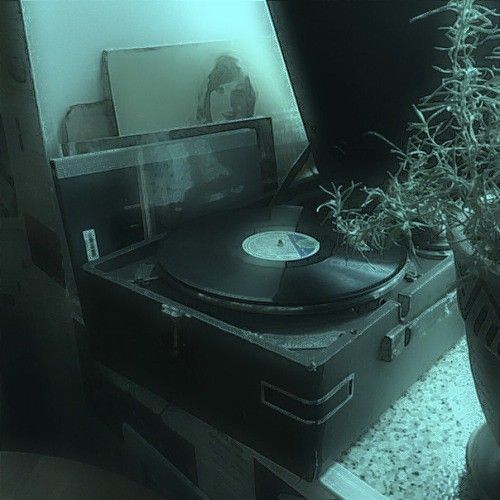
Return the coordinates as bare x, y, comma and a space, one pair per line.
356, 66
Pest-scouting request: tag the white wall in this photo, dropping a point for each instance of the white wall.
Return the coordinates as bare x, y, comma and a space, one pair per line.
66, 39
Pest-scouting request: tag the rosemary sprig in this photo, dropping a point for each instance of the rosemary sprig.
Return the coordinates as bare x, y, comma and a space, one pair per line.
449, 171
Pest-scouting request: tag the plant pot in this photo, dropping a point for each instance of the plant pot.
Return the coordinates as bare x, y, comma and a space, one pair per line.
478, 294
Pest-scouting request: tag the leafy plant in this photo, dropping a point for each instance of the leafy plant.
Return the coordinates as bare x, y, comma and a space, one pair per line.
448, 174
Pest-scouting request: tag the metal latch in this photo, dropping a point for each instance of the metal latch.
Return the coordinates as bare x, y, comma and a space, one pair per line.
425, 291
175, 314
172, 311
394, 342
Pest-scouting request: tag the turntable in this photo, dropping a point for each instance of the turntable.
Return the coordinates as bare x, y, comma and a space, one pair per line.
277, 260
249, 314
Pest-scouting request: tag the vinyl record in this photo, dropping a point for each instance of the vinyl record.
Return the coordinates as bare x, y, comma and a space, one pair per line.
278, 259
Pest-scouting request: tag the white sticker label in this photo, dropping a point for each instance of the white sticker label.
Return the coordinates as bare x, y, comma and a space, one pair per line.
280, 245
91, 244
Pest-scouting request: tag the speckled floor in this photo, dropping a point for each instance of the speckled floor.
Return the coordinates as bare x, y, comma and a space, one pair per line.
417, 448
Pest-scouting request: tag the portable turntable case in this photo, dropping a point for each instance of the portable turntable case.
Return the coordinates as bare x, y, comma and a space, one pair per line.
297, 388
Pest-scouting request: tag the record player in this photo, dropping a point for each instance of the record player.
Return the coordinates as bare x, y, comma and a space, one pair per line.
246, 312
252, 318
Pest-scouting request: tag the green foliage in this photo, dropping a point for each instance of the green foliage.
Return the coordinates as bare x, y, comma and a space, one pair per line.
449, 171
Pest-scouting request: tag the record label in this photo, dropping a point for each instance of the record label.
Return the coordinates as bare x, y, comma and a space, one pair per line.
280, 245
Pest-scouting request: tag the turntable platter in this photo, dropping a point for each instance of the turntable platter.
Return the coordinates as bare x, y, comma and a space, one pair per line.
275, 259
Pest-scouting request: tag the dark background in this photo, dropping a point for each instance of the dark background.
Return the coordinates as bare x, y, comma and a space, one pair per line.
356, 66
